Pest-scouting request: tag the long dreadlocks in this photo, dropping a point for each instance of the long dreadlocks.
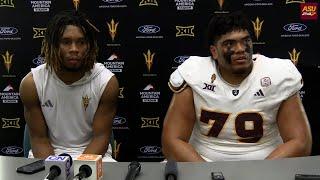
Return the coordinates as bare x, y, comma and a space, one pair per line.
55, 29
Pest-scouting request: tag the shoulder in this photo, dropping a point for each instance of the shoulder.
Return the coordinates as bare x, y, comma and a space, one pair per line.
27, 88
277, 66
282, 72
101, 67
39, 69
27, 80
111, 91
195, 65
195, 62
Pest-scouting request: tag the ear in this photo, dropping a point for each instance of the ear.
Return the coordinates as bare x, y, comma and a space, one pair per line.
213, 51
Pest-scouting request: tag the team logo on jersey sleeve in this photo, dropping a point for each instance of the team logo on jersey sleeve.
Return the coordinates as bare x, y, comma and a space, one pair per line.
265, 82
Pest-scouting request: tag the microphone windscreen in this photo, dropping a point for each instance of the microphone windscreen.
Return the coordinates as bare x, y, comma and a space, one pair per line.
63, 163
171, 169
92, 161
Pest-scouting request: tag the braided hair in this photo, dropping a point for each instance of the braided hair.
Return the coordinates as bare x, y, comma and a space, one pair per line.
55, 30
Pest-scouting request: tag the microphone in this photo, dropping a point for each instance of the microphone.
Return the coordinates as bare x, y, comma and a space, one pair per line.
133, 170
88, 166
59, 167
171, 170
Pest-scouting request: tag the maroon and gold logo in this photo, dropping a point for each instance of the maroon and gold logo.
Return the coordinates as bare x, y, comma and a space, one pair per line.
7, 60
257, 26
112, 26
309, 11
76, 4
85, 101
148, 57
220, 2
294, 56
116, 149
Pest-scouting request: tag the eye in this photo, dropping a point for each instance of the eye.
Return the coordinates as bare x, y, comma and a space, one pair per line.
248, 40
229, 43
65, 42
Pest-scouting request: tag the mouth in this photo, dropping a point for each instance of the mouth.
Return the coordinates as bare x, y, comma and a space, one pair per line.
240, 59
73, 59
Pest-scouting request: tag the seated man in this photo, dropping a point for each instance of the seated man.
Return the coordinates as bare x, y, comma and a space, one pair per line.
235, 105
71, 100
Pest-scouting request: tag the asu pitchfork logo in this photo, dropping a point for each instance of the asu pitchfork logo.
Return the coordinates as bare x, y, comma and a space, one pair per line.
112, 26
220, 2
7, 59
294, 56
76, 4
148, 57
85, 101
257, 25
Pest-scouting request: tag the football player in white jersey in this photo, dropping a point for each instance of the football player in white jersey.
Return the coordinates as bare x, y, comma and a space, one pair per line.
71, 100
235, 105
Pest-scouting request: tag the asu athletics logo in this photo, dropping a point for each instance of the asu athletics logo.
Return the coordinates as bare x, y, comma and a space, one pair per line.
112, 26
294, 56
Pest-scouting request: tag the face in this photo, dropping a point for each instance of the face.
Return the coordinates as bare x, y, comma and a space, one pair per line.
233, 51
73, 48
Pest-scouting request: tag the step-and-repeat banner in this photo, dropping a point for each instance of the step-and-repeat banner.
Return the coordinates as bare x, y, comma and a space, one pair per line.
142, 42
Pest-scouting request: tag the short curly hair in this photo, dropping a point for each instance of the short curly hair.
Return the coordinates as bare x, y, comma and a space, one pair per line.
221, 24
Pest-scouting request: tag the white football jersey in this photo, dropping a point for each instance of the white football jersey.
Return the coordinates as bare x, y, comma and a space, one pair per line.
238, 122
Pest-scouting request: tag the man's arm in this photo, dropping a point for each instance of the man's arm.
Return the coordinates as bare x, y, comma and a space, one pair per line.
294, 130
103, 118
40, 143
178, 126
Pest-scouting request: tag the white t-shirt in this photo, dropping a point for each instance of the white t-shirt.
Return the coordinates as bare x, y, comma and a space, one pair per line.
69, 109
238, 122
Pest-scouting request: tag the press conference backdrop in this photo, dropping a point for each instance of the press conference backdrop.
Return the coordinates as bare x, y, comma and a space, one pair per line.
142, 42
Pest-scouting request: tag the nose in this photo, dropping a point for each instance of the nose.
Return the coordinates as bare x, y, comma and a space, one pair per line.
240, 46
74, 47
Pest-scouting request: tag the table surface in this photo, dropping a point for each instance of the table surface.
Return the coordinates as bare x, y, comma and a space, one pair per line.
284, 169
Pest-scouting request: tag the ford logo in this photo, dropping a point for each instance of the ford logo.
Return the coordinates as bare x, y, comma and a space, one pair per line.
149, 29
112, 1
295, 27
10, 150
119, 120
8, 30
180, 59
38, 60
150, 149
